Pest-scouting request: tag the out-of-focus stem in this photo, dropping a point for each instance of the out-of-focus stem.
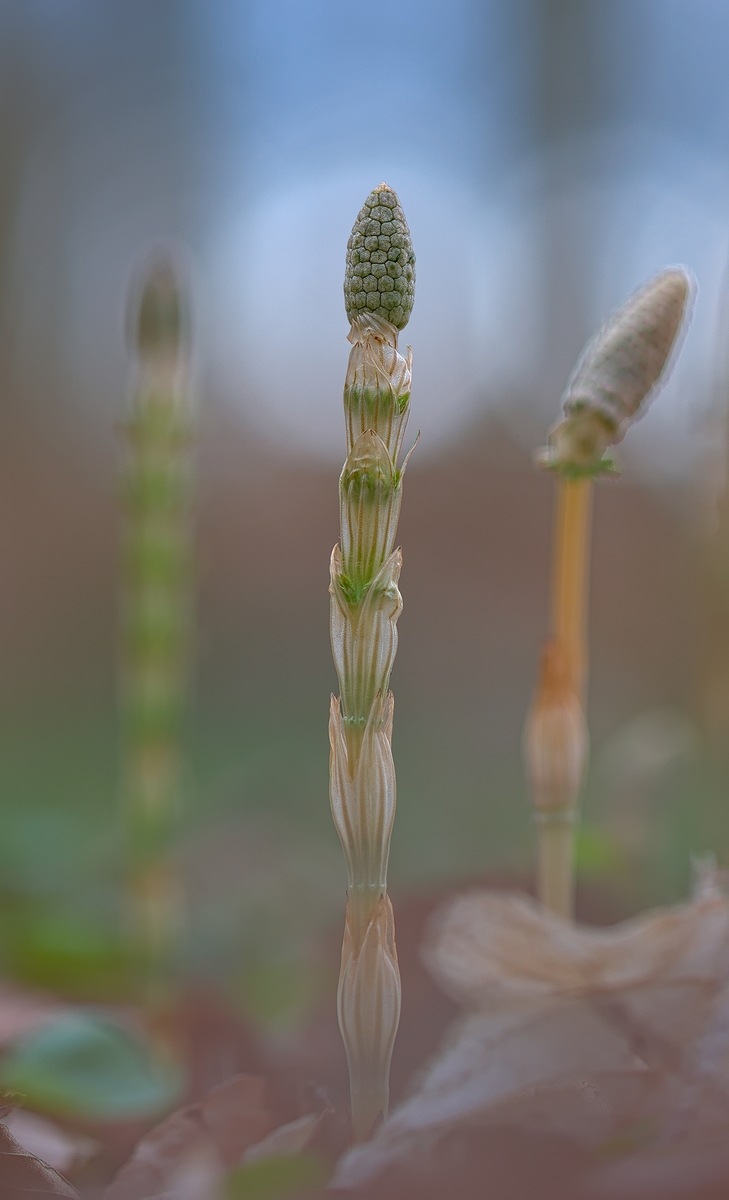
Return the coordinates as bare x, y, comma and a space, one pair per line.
555, 862
563, 686
555, 744
616, 374
570, 578
156, 627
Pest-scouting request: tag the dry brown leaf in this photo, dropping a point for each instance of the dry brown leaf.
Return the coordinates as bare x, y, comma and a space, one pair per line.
25, 1177
197, 1176
494, 1058
62, 1150
286, 1141
665, 1173
21, 1012
218, 1130
486, 946
157, 1155
236, 1115
591, 1110
573, 1031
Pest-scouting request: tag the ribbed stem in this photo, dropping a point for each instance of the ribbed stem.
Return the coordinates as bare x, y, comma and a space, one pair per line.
365, 606
156, 630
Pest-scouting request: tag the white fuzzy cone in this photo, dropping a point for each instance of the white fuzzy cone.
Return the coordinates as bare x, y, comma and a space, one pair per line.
575, 1031
622, 364
619, 372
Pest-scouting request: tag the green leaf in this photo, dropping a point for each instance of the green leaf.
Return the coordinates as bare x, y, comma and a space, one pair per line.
596, 852
81, 1065
67, 954
279, 993
276, 1178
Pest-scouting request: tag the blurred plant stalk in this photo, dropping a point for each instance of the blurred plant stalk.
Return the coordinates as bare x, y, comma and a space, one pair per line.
614, 379
713, 670
562, 732
570, 582
156, 626
714, 649
365, 606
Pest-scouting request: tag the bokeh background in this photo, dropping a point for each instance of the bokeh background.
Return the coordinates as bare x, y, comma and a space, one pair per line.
550, 156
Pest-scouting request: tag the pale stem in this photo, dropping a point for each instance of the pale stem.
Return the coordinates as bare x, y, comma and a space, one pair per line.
369, 1107
365, 607
555, 862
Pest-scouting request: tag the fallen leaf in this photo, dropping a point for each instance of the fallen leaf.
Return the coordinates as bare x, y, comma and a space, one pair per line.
573, 1032
487, 946
196, 1176
21, 1012
493, 1059
157, 1155
286, 1141
665, 1173
62, 1150
232, 1117
25, 1177
236, 1115
500, 1162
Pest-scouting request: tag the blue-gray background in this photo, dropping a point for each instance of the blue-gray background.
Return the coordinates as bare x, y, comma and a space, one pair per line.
550, 155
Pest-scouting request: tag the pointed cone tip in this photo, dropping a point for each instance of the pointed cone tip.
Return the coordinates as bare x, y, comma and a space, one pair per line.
380, 272
672, 291
160, 324
623, 367
678, 281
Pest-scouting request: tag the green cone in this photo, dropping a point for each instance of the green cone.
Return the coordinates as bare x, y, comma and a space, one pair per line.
380, 275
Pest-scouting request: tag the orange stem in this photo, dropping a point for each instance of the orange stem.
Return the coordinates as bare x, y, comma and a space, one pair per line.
570, 577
